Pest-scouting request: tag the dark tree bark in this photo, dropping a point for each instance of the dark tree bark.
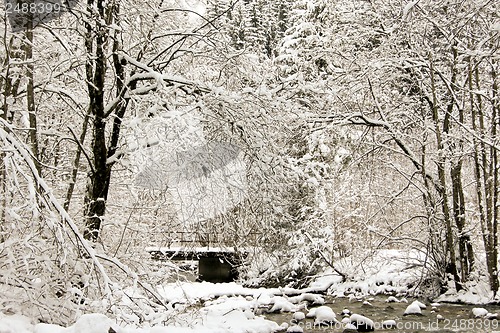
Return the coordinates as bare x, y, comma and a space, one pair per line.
466, 254
30, 97
9, 86
451, 267
486, 176
96, 68
103, 49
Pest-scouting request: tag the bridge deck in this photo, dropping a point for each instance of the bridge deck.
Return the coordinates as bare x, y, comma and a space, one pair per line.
193, 253
215, 264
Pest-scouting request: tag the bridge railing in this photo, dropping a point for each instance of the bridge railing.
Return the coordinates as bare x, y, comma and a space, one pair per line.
202, 239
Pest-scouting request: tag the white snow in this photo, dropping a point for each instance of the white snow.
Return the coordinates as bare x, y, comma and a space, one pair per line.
299, 316
384, 272
48, 328
413, 309
420, 304
346, 311
476, 292
491, 316
350, 326
92, 323
14, 324
311, 298
389, 323
281, 304
359, 320
207, 321
311, 313
392, 299
324, 315
233, 308
179, 249
295, 329
479, 312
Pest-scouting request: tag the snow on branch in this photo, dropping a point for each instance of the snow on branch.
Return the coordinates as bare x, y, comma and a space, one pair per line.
7, 136
149, 74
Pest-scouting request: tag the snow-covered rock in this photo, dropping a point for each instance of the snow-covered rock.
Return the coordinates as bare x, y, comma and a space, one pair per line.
311, 313
295, 329
389, 324
420, 304
284, 326
350, 326
413, 309
281, 304
346, 312
264, 299
479, 312
324, 315
392, 299
483, 313
362, 323
308, 297
299, 316
491, 316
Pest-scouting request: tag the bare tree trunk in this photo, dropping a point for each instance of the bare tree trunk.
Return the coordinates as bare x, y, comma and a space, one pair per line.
494, 172
9, 85
100, 174
464, 241
485, 181
464, 244
30, 97
76, 161
98, 184
442, 189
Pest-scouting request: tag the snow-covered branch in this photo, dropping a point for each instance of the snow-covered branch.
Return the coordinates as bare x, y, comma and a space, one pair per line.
8, 137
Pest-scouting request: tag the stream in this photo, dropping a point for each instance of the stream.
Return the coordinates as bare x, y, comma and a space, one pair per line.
455, 317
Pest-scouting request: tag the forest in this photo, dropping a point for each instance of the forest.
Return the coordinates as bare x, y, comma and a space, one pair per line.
346, 147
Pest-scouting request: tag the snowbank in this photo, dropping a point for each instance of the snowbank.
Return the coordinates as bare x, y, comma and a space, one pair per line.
210, 321
383, 272
477, 292
203, 307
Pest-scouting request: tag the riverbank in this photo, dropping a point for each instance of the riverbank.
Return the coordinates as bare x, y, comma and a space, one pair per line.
379, 286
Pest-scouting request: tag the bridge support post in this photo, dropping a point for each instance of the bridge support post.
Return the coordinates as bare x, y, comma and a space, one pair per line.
216, 269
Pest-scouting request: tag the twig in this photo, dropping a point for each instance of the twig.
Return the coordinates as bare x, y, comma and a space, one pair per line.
82, 149
343, 275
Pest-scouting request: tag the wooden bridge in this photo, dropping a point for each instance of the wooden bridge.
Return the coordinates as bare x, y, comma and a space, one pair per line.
217, 263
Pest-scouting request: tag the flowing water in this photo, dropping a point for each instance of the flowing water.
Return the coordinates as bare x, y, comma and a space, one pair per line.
455, 317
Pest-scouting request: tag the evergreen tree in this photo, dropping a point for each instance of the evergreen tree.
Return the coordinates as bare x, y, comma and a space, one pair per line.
252, 24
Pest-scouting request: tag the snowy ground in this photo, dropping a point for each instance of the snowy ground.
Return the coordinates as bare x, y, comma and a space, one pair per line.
230, 307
